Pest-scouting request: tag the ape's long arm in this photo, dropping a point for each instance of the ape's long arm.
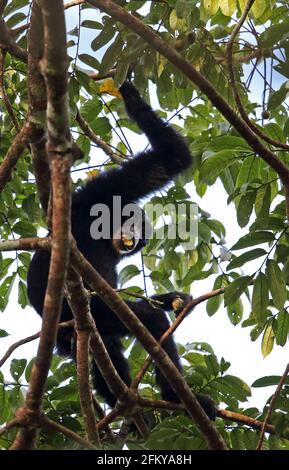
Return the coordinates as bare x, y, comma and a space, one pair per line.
148, 171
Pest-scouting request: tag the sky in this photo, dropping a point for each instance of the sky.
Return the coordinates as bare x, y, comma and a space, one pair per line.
228, 341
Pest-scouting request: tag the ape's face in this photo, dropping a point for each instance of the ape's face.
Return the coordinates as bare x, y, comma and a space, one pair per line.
134, 232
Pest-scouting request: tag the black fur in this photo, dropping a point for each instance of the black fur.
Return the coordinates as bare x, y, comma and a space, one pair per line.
149, 171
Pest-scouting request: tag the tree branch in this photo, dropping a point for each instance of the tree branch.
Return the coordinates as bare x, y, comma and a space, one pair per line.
271, 406
232, 77
224, 414
30, 243
54, 69
28, 339
15, 151
123, 312
7, 43
48, 423
79, 302
84, 126
38, 104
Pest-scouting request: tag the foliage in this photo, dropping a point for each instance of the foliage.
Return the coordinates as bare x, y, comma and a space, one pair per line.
254, 269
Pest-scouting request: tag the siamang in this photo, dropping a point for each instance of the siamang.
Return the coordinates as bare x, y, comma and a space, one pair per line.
149, 171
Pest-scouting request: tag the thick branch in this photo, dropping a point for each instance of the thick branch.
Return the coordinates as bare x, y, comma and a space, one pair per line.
32, 243
54, 68
38, 104
15, 151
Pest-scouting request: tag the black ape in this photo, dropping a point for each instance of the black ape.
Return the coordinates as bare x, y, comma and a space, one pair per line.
149, 171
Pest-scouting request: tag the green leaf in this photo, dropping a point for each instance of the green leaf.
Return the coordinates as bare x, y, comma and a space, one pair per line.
28, 369
274, 33
245, 208
245, 257
235, 312
212, 364
5, 290
286, 128
5, 407
268, 381
282, 328
91, 24
67, 392
127, 273
236, 288
3, 333
228, 7
274, 131
258, 8
263, 202
25, 229
211, 6
120, 74
237, 440
89, 60
17, 368
254, 238
277, 97
110, 56
277, 284
15, 19
268, 340
22, 295
260, 298
101, 126
228, 142
257, 330
249, 171
215, 164
214, 303
233, 386
103, 38
90, 109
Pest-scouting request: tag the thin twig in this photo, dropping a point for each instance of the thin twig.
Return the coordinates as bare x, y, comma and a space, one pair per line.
79, 302
28, 339
271, 407
48, 423
231, 69
85, 127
